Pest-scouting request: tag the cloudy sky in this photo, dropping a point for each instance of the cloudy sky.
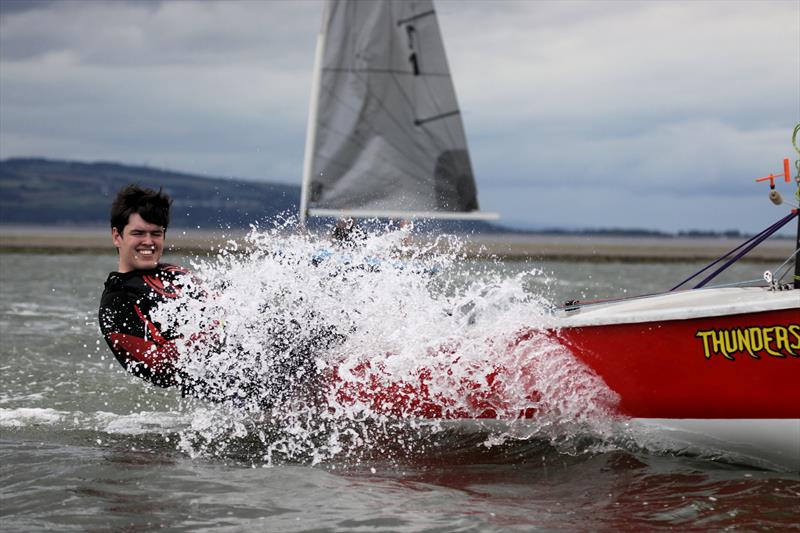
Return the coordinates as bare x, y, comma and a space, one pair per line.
578, 114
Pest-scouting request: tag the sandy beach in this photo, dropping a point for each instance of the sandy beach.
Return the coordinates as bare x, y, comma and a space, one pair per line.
33, 239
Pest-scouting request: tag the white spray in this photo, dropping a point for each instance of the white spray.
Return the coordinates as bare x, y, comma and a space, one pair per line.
306, 350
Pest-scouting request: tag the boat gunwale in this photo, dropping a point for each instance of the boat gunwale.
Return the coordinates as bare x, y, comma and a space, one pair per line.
696, 305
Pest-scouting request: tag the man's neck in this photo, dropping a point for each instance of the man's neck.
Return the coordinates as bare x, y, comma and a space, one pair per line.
122, 270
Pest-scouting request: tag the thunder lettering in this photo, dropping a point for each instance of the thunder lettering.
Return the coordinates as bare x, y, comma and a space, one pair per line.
775, 341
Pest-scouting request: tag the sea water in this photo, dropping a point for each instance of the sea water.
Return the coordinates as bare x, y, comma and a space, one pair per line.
87, 447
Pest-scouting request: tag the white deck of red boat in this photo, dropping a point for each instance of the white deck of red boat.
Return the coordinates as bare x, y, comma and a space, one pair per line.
683, 305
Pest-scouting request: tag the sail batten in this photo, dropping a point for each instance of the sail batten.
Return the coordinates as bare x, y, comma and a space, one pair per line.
412, 18
387, 132
421, 121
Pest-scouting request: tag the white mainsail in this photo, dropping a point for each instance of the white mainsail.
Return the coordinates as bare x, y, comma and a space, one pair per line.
385, 136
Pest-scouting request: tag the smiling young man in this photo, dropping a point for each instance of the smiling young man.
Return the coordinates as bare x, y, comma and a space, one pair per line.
139, 220
147, 349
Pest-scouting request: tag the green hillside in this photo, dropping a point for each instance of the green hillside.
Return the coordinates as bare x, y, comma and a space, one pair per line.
47, 192
51, 192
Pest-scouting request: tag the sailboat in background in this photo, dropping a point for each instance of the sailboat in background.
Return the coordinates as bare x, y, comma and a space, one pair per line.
386, 140
385, 137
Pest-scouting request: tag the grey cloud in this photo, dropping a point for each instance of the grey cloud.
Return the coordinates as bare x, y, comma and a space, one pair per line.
139, 33
12, 7
676, 159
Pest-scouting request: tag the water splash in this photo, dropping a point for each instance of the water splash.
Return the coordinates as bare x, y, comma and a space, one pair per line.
301, 349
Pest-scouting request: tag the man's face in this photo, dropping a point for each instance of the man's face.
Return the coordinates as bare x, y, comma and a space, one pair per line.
140, 245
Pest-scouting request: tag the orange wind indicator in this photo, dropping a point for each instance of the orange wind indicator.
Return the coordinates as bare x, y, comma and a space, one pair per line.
786, 173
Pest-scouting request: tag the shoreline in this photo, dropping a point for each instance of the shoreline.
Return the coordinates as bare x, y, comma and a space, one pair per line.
508, 247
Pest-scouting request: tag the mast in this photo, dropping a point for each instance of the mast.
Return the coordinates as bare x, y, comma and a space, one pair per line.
796, 147
313, 110
797, 253
797, 241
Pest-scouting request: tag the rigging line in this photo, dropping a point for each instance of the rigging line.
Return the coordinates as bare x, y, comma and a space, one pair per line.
736, 283
787, 264
591, 303
588, 303
728, 254
753, 243
738, 252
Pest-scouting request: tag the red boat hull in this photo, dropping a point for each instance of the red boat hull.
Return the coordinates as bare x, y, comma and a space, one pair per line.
738, 366
736, 355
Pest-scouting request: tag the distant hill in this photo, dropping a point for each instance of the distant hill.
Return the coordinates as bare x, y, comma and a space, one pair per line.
50, 192
42, 191
54, 192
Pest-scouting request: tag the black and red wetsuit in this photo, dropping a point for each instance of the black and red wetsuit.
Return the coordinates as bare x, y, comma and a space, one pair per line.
143, 347
148, 349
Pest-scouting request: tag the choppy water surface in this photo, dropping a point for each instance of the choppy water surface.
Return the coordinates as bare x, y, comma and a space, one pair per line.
87, 447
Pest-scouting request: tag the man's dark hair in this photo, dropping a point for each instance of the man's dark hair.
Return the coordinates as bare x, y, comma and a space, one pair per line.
152, 206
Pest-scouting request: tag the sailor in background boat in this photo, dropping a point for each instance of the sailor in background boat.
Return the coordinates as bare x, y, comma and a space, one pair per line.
346, 237
406, 226
346, 233
148, 349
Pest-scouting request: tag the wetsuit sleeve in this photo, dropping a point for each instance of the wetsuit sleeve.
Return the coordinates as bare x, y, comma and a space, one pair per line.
135, 340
